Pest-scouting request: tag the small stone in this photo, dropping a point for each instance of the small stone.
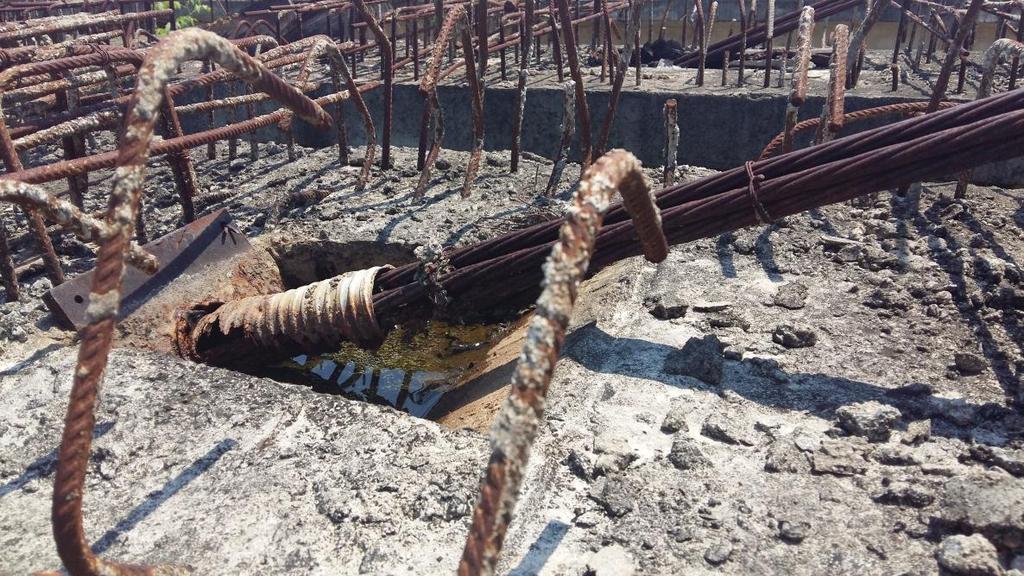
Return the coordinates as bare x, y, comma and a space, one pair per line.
614, 497
726, 430
895, 455
849, 253
872, 420
587, 519
918, 432
675, 420
613, 454
784, 456
744, 245
718, 553
728, 319
40, 287
904, 494
497, 161
969, 363
838, 458
792, 296
667, 306
794, 531
968, 556
705, 306
989, 503
792, 337
685, 454
611, 560
442, 164
238, 164
699, 358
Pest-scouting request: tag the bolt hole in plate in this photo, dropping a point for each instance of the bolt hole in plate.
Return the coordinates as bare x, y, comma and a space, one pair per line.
189, 249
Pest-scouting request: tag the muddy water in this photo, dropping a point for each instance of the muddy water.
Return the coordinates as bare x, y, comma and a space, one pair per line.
412, 371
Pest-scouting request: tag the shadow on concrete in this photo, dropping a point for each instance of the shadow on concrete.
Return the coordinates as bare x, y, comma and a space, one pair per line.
541, 549
950, 259
44, 466
155, 499
32, 359
723, 247
762, 381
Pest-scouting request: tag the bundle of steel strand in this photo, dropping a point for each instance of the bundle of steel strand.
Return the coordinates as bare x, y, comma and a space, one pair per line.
758, 34
938, 144
508, 269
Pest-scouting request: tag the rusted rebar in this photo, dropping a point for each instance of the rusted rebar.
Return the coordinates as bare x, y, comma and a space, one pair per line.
995, 52
902, 108
9, 279
671, 113
700, 26
990, 61
568, 129
582, 110
67, 215
798, 94
953, 53
455, 18
477, 108
858, 41
769, 37
104, 299
632, 27
516, 425
525, 28
387, 67
743, 43
12, 163
832, 111
326, 48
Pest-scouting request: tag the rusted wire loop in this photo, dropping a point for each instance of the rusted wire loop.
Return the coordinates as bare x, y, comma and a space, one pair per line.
753, 185
907, 108
516, 425
160, 63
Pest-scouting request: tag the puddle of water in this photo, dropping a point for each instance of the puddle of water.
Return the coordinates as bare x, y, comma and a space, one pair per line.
412, 370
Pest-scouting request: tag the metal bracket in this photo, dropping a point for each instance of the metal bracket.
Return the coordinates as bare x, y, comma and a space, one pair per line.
189, 249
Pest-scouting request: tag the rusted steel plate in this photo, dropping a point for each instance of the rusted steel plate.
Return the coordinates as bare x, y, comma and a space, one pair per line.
189, 249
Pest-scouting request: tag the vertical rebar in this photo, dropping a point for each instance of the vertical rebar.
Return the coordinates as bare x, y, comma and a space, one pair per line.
476, 105
743, 43
12, 162
832, 112
952, 53
798, 94
556, 46
568, 129
671, 113
517, 423
582, 110
387, 67
769, 37
702, 44
636, 54
12, 293
525, 31
633, 16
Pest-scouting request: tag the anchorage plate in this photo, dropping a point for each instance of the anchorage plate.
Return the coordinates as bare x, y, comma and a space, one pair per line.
187, 250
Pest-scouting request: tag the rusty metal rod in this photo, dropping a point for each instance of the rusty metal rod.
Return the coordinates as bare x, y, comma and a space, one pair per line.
517, 422
568, 129
73, 456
